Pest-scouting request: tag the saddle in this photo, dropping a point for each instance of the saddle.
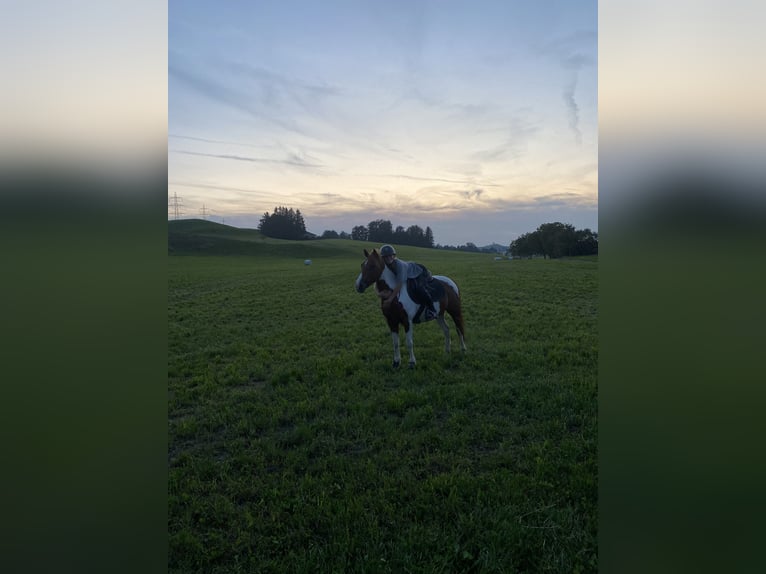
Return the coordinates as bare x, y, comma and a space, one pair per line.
420, 285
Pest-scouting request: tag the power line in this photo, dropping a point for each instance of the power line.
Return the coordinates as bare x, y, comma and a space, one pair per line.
176, 203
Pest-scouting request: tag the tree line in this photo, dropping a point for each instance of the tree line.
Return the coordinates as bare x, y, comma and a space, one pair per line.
287, 223
383, 231
550, 240
553, 240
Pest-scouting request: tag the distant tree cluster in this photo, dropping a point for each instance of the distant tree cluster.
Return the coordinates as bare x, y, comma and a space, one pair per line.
284, 223
470, 246
332, 234
554, 240
473, 248
382, 231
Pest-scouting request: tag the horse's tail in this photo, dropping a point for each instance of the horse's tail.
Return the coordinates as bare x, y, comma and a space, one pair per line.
452, 302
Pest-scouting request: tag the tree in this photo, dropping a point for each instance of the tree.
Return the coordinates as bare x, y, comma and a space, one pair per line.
298, 222
330, 234
587, 242
360, 233
284, 223
400, 235
415, 236
383, 231
526, 245
429, 238
555, 240
380, 230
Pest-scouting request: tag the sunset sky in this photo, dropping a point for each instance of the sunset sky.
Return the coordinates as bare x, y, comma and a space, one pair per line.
478, 119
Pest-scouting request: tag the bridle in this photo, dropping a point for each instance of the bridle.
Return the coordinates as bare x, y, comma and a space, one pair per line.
365, 284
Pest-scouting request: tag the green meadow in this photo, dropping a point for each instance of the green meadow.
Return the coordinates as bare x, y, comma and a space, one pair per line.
294, 446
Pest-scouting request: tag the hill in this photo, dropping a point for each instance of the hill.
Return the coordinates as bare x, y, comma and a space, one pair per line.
197, 236
494, 248
201, 237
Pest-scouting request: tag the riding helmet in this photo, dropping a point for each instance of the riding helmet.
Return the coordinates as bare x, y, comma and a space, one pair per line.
387, 250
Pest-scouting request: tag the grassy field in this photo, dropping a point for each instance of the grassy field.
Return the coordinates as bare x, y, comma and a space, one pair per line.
295, 447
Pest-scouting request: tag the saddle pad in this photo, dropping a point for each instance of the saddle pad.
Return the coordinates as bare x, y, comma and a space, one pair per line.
434, 287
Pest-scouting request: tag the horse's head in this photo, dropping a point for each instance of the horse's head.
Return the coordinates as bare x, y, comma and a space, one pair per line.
372, 268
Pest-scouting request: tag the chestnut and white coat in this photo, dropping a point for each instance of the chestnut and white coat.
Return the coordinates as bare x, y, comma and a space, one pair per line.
402, 310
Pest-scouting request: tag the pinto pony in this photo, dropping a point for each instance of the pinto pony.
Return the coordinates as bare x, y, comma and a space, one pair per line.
405, 310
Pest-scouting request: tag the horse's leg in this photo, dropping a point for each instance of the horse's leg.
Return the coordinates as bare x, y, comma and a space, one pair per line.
445, 329
457, 317
397, 354
456, 312
410, 345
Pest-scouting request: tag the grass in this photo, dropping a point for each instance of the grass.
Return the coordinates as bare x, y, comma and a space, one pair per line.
295, 447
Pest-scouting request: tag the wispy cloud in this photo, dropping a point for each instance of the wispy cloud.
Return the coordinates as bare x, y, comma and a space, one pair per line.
497, 153
573, 52
473, 194
562, 200
439, 179
292, 159
216, 141
233, 191
220, 92
573, 109
279, 91
517, 135
217, 187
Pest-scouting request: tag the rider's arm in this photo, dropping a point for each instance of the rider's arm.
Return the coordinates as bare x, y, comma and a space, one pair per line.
401, 279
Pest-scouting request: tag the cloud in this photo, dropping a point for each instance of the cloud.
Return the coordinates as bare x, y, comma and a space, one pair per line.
292, 159
439, 179
220, 93
519, 132
329, 198
237, 198
573, 109
216, 187
279, 91
497, 153
573, 52
561, 200
472, 194
214, 141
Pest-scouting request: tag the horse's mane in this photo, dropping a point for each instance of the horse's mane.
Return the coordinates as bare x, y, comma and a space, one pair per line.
375, 257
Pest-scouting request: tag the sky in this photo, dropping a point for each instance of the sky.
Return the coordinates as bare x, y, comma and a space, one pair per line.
476, 118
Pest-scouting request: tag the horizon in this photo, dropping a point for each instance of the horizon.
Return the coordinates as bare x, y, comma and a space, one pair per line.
478, 123
348, 231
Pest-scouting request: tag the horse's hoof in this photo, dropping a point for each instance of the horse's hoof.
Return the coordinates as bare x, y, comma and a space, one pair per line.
395, 364
412, 364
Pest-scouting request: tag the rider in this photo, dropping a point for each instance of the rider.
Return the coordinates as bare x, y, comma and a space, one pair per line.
403, 270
